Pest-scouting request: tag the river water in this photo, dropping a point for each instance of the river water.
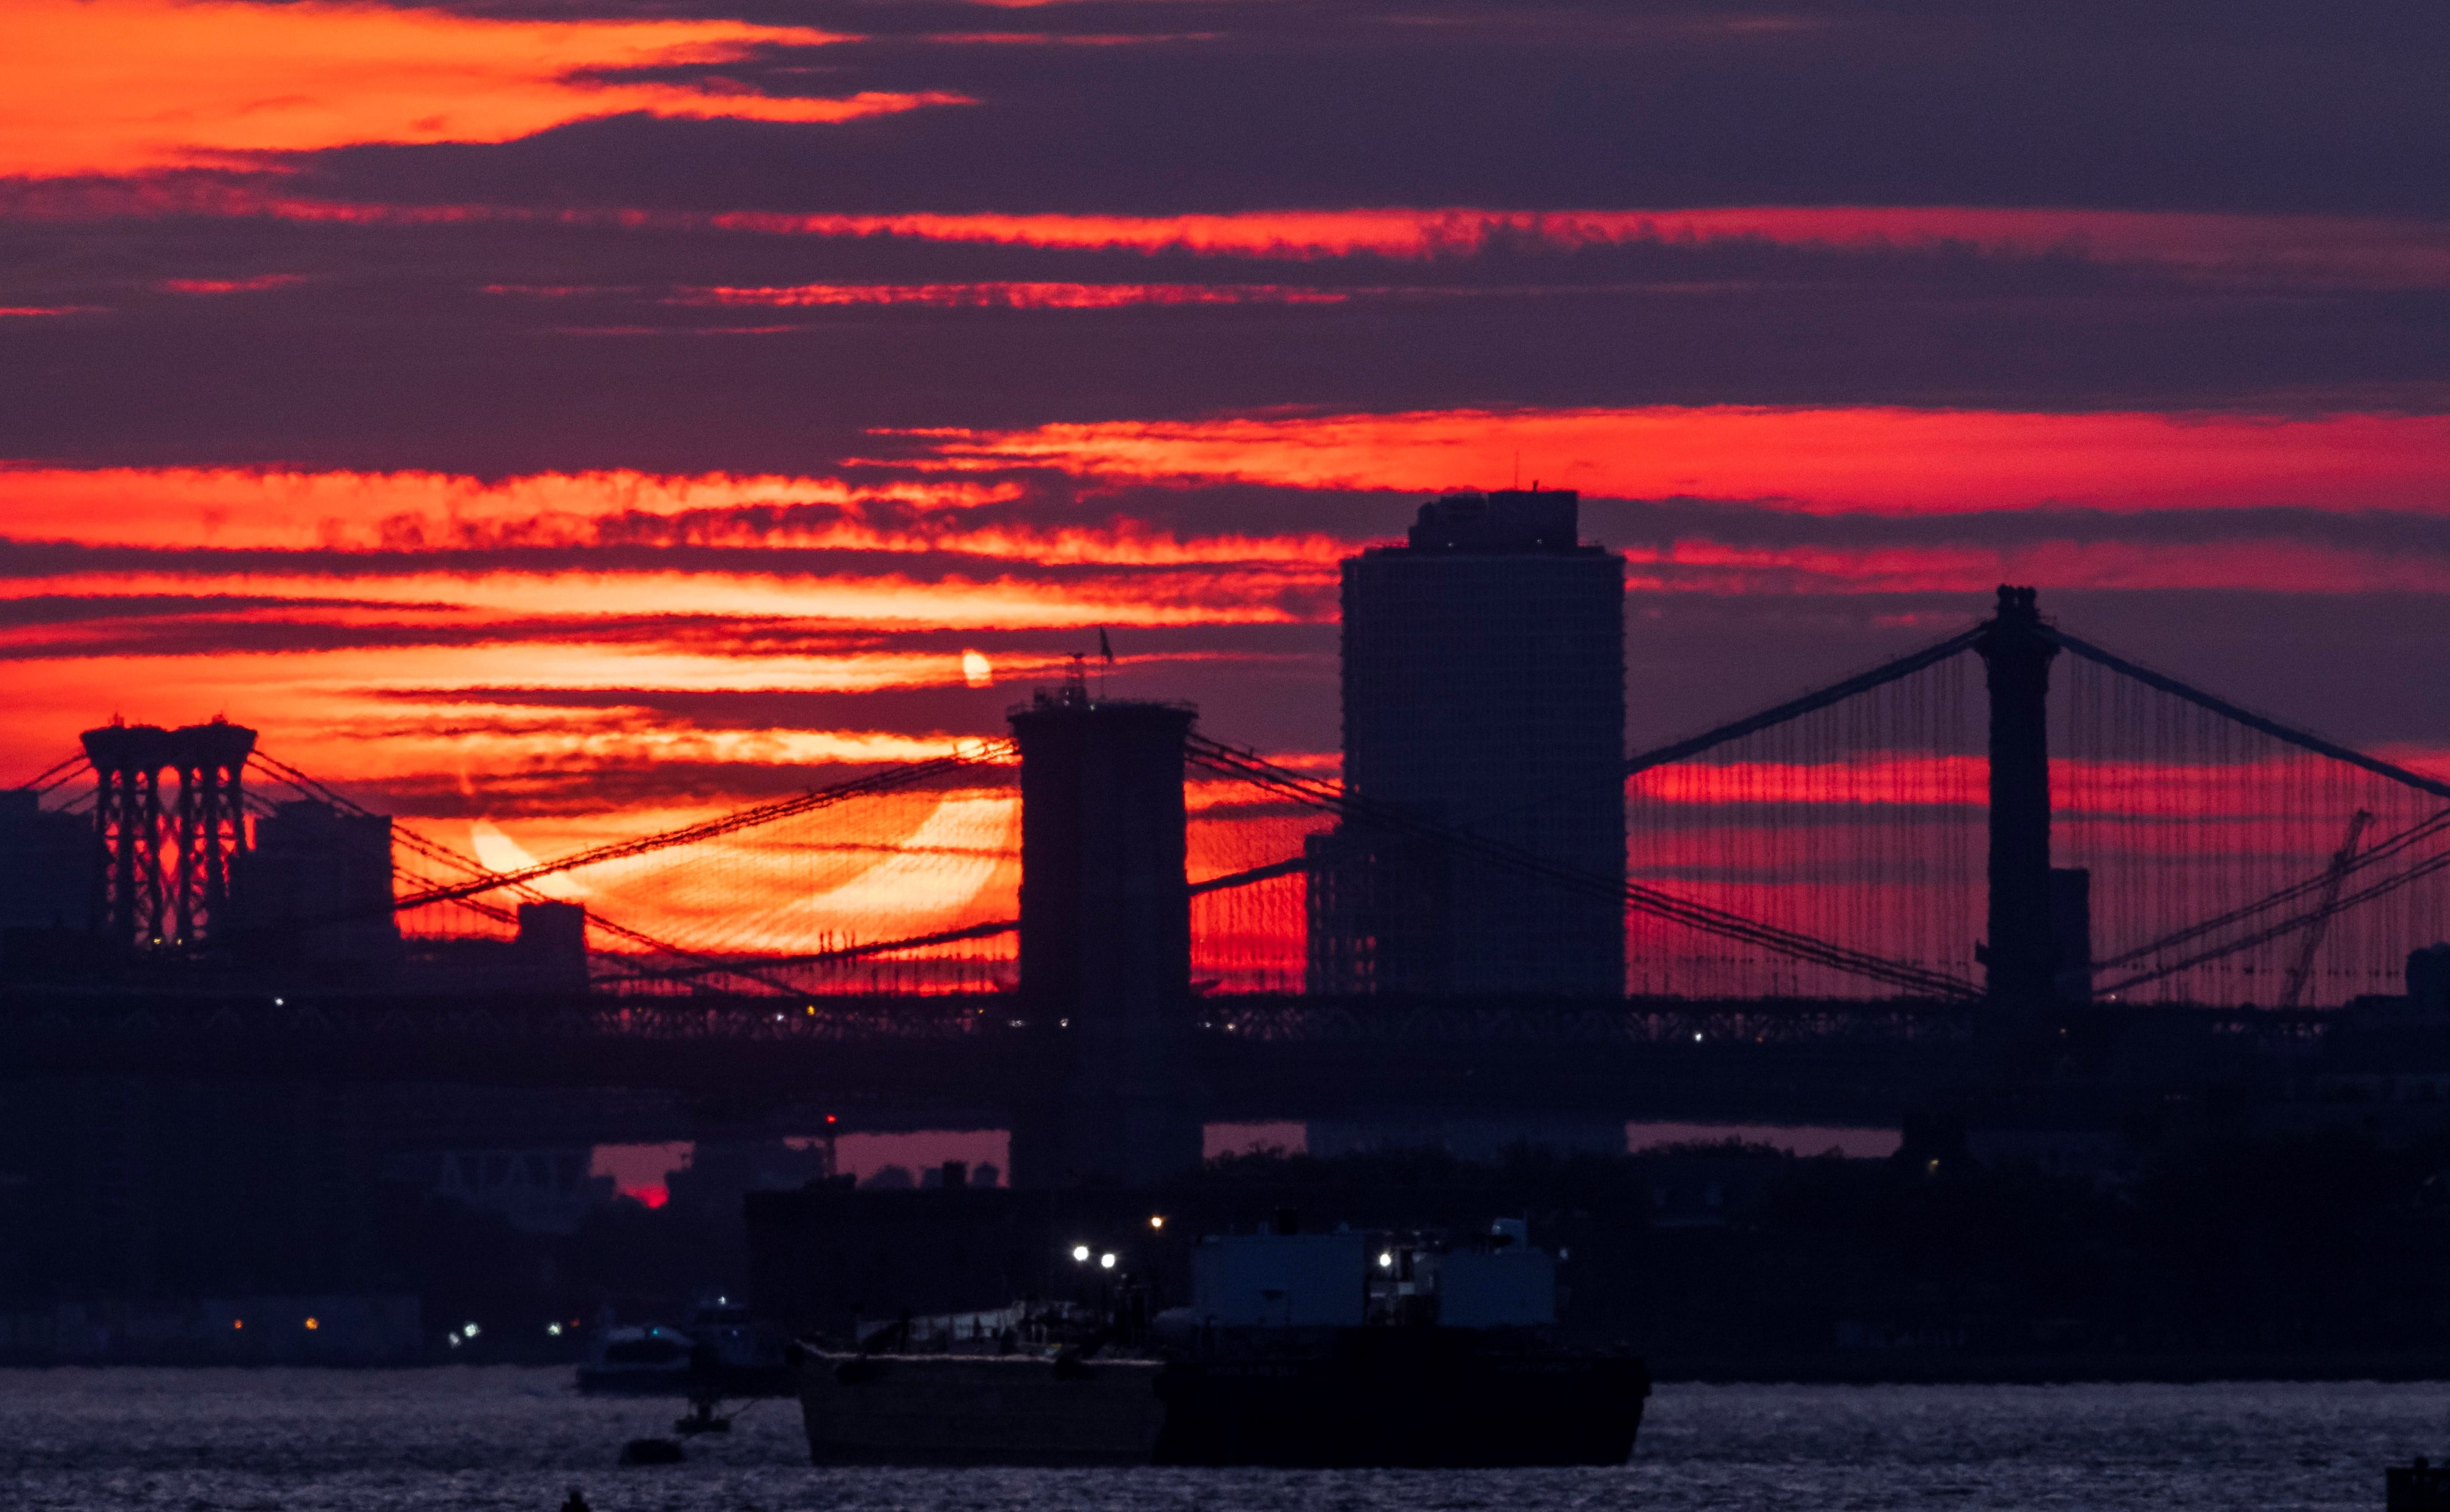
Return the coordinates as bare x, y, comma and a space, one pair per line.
503, 1438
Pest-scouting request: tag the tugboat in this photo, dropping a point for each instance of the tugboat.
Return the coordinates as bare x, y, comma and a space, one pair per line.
719, 1352
747, 1355
636, 1360
1329, 1349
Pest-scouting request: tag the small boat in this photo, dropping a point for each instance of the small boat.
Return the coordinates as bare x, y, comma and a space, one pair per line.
1342, 1349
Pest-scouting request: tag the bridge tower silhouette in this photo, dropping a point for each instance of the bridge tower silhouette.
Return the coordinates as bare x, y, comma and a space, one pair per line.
2021, 949
1105, 941
168, 875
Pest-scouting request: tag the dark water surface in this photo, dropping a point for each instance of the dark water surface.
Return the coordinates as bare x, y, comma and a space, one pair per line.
306, 1441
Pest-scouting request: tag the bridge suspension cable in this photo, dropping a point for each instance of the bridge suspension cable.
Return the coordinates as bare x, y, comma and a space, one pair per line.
58, 774
2305, 740
2372, 856
2289, 925
1810, 702
1892, 671
986, 931
435, 851
890, 780
2225, 803
1230, 761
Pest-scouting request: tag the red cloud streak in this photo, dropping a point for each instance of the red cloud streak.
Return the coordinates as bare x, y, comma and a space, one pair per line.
1888, 459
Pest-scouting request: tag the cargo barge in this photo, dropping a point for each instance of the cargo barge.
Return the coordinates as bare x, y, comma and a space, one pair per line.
1298, 1350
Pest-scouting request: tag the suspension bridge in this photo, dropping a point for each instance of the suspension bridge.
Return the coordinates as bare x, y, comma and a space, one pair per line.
2012, 824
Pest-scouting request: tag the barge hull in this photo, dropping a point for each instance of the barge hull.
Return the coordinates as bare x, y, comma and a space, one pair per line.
979, 1409
1360, 1407
1484, 1412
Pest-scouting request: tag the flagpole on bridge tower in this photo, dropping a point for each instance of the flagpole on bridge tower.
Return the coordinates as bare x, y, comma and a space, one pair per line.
2021, 952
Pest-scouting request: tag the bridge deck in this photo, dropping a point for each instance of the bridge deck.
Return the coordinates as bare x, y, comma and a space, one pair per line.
1257, 1057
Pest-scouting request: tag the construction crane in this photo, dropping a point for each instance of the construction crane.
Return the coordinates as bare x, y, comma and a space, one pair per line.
2320, 924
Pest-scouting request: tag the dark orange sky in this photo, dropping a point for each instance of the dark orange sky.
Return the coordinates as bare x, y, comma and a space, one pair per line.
483, 401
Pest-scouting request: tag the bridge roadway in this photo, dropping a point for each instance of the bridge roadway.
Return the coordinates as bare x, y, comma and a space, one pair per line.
958, 1062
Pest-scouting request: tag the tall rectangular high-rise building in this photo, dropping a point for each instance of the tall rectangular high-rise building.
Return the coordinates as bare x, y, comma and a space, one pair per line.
1483, 690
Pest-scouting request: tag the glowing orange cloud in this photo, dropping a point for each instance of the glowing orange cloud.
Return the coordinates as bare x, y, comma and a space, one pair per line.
1209, 578
2279, 564
1066, 39
2298, 250
891, 599
1018, 296
235, 507
2330, 248
1871, 780
380, 710
901, 867
1877, 458
250, 286
123, 85
410, 512
2080, 788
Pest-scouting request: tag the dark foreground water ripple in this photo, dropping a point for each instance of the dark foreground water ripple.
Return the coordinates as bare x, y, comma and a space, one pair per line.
480, 1440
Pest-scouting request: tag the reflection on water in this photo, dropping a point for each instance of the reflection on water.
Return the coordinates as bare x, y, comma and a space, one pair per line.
310, 1440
